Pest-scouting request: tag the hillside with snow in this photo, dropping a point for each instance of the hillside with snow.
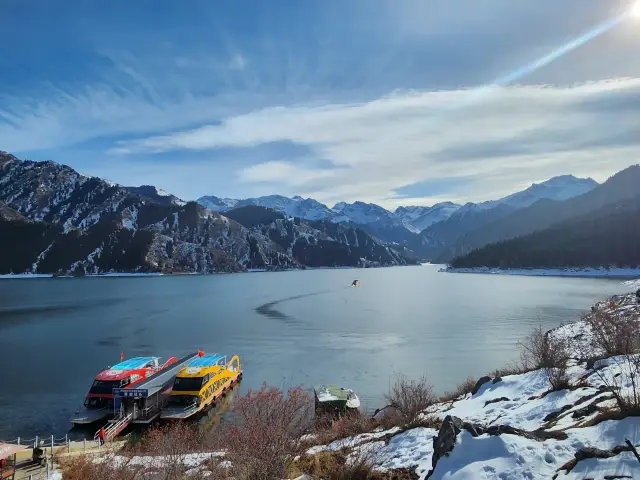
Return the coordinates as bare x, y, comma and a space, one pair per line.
54, 220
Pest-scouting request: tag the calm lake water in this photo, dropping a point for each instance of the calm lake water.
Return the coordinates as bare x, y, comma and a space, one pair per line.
289, 328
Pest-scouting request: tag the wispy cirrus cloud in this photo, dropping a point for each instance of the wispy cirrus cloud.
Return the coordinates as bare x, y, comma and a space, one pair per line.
510, 135
369, 99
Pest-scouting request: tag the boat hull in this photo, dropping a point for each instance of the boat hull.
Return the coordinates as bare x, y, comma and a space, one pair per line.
87, 416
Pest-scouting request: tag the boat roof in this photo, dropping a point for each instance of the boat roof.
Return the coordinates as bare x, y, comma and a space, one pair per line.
331, 393
206, 360
122, 369
134, 363
158, 381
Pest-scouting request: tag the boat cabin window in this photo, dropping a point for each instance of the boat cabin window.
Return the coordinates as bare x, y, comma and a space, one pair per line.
106, 386
183, 400
192, 384
97, 402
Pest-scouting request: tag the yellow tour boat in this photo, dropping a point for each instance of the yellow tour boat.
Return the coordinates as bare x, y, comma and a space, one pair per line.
200, 384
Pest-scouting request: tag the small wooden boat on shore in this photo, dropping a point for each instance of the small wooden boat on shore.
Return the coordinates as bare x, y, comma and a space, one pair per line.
99, 403
200, 385
335, 399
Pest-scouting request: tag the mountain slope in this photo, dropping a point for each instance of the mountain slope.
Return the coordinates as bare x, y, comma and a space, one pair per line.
419, 218
92, 226
58, 221
319, 243
306, 208
607, 236
157, 195
544, 213
444, 240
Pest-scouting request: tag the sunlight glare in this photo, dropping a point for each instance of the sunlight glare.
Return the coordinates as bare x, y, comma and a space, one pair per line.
635, 10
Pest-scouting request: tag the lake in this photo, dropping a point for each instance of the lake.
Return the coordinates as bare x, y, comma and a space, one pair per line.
289, 328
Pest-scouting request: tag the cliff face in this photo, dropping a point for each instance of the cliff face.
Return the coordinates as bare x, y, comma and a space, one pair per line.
55, 220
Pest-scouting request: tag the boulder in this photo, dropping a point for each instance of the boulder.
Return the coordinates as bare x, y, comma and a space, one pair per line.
479, 383
446, 439
496, 400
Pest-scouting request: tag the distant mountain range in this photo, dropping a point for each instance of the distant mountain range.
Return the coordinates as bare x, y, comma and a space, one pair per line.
598, 229
55, 220
432, 233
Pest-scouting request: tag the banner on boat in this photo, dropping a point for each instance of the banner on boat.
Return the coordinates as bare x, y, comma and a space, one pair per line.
130, 392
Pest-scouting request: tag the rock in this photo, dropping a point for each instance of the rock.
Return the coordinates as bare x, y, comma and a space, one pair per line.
496, 380
479, 384
496, 400
556, 414
445, 441
586, 411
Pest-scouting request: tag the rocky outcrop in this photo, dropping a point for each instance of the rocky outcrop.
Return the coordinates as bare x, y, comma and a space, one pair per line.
479, 384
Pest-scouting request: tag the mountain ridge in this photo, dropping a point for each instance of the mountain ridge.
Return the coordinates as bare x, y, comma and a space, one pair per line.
61, 222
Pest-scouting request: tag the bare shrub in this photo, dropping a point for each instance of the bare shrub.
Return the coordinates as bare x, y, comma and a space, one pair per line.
409, 398
461, 389
265, 438
614, 334
350, 424
623, 382
84, 467
540, 350
514, 368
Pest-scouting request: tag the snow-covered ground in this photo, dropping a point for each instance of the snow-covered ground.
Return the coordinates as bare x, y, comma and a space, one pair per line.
513, 427
551, 272
564, 422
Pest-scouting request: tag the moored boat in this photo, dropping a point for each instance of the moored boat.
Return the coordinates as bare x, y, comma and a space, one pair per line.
335, 399
200, 384
99, 403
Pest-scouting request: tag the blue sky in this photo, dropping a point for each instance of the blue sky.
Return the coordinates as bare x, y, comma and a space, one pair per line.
374, 100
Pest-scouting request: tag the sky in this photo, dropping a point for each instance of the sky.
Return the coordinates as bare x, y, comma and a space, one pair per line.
395, 102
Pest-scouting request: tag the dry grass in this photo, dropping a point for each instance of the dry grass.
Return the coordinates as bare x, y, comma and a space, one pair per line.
461, 389
329, 428
409, 398
334, 466
514, 368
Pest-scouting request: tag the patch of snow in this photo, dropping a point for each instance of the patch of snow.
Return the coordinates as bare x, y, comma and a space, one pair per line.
351, 442
632, 283
129, 218
550, 272
624, 465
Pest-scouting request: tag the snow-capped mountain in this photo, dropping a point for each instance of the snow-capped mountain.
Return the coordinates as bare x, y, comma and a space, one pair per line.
306, 208
156, 194
217, 204
55, 220
364, 213
557, 188
417, 218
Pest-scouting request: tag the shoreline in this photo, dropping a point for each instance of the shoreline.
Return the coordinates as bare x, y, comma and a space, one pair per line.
11, 276
584, 272
508, 424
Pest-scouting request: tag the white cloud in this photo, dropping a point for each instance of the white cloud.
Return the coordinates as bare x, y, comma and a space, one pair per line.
496, 138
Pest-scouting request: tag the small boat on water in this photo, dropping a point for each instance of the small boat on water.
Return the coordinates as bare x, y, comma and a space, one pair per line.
335, 399
99, 403
200, 385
